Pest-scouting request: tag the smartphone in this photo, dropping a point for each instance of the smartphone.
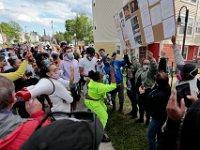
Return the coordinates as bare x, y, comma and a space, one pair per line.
182, 91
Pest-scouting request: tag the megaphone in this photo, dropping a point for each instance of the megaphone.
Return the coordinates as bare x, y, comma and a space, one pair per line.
43, 87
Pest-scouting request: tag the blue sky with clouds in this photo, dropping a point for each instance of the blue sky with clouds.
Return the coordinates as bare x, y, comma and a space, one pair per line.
36, 15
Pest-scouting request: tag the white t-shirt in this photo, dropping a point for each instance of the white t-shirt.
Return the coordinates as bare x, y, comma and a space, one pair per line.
87, 65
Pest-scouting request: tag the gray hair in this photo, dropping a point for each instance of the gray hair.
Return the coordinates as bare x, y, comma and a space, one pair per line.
6, 89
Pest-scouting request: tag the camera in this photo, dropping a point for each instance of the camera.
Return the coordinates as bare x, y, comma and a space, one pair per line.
182, 91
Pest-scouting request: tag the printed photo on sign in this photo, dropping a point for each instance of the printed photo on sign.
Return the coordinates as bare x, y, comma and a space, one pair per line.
127, 12
133, 6
136, 30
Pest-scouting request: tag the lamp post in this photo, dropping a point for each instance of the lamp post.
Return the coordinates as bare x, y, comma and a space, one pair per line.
185, 28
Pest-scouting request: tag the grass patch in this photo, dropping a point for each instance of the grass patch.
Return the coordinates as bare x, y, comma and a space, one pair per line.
125, 134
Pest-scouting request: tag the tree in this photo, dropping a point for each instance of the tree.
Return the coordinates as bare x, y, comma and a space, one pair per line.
11, 30
81, 26
59, 36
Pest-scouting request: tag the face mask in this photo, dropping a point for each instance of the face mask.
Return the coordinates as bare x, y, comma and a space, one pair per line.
56, 75
46, 62
89, 58
70, 56
14, 57
145, 67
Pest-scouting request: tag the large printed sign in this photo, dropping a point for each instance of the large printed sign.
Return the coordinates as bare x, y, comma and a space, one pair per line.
142, 22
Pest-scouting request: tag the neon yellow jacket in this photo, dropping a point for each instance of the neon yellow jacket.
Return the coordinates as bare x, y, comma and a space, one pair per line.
18, 73
97, 90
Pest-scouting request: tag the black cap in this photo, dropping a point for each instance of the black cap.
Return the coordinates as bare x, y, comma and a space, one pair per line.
90, 50
188, 69
114, 54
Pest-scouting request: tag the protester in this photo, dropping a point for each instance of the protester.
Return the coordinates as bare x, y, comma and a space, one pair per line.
157, 99
96, 92
15, 130
172, 131
61, 98
56, 59
144, 79
20, 72
87, 64
67, 63
117, 64
130, 85
188, 72
63, 44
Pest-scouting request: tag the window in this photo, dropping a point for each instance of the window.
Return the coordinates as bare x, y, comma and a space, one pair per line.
199, 52
185, 51
189, 25
118, 49
198, 27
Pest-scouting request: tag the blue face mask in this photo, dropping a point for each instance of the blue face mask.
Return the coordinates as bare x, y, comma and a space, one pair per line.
46, 62
14, 57
70, 56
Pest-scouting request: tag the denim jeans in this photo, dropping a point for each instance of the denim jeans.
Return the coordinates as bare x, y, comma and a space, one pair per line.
154, 130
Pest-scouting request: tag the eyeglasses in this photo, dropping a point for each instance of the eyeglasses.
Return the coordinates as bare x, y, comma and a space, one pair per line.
145, 63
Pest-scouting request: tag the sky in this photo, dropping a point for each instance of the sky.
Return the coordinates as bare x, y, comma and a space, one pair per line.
37, 15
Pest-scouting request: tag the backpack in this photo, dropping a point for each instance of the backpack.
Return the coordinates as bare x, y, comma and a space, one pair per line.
81, 131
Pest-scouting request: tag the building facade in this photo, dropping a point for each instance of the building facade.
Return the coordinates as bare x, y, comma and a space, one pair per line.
105, 35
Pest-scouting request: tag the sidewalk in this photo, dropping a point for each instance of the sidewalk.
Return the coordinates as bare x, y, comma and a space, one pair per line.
106, 146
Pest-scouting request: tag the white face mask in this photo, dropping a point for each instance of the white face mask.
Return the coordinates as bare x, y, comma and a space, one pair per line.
145, 67
90, 58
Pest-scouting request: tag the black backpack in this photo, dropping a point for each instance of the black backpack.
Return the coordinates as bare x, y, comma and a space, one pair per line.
81, 131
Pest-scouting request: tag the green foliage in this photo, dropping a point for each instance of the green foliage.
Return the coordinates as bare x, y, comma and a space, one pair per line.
125, 134
81, 26
59, 36
11, 30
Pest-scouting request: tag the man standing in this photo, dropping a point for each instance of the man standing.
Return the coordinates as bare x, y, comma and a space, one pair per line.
63, 44
67, 63
87, 64
144, 79
117, 64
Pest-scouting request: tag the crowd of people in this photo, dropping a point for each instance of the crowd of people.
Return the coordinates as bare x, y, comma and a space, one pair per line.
100, 77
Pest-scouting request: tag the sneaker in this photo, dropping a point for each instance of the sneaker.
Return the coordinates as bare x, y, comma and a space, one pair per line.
105, 139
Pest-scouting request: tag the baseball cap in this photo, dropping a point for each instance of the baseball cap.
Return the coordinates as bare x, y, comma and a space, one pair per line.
190, 69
